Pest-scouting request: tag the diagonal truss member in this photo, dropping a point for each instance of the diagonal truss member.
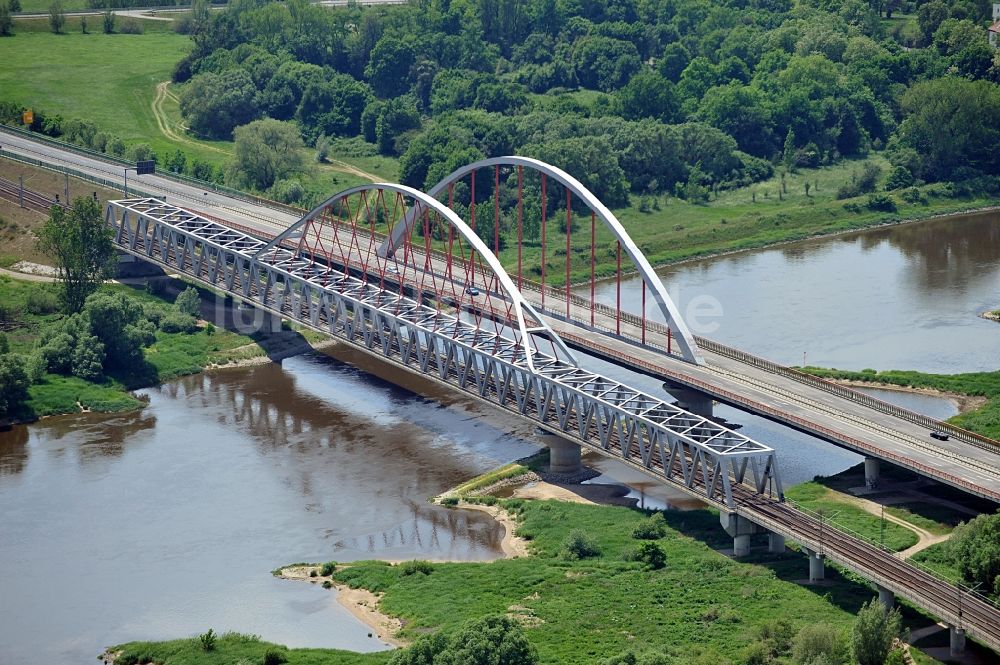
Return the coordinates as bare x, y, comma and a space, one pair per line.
693, 453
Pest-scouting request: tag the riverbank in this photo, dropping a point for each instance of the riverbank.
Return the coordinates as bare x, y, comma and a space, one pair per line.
219, 340
978, 392
963, 402
992, 315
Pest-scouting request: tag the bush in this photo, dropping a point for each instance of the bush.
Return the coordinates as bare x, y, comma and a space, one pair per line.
881, 202
209, 329
274, 657
207, 640
42, 302
130, 26
189, 301
176, 322
415, 566
327, 568
578, 545
913, 195
652, 555
449, 501
327, 584
815, 640
653, 528
899, 178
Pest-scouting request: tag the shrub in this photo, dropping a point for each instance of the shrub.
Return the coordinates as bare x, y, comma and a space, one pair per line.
209, 329
450, 501
177, 322
815, 640
313, 573
207, 640
274, 657
579, 545
156, 287
913, 195
42, 302
130, 26
899, 178
189, 301
881, 202
415, 566
327, 584
652, 555
653, 528
327, 568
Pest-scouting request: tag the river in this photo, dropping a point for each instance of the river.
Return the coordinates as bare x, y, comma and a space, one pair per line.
165, 523
897, 297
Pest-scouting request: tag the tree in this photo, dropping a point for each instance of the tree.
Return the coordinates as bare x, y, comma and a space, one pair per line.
975, 548
605, 63
57, 16
815, 641
108, 22
215, 104
6, 21
873, 633
79, 242
952, 123
388, 69
14, 384
189, 301
265, 151
118, 322
648, 95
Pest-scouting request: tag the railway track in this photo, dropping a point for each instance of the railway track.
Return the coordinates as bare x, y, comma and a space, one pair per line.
32, 200
952, 604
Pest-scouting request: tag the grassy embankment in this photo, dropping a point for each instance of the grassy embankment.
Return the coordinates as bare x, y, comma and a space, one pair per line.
172, 354
985, 421
584, 610
112, 80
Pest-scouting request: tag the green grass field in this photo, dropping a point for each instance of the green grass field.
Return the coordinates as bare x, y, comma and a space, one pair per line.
108, 79
821, 499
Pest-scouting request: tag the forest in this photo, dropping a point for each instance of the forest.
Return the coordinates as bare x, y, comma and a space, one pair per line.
632, 96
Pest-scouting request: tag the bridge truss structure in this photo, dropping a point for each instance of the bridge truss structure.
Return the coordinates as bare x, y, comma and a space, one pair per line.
451, 314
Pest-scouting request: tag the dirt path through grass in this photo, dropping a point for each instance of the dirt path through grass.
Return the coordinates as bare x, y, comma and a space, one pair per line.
163, 122
925, 538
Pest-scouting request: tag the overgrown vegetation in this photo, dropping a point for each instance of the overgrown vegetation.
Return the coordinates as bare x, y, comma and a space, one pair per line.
88, 360
985, 420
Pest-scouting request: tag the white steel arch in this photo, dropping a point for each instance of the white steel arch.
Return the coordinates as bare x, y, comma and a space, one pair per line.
682, 335
524, 333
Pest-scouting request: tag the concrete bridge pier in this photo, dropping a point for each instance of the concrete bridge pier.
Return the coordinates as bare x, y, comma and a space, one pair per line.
267, 321
690, 399
871, 472
957, 642
564, 455
886, 597
775, 543
740, 528
817, 571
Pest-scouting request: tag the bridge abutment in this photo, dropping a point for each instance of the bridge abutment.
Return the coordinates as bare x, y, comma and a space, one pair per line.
956, 642
690, 399
564, 456
871, 472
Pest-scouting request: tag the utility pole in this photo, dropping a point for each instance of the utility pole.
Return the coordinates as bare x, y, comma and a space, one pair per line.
20, 192
881, 537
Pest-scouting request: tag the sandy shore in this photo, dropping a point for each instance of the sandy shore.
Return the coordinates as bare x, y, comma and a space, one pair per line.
364, 605
964, 403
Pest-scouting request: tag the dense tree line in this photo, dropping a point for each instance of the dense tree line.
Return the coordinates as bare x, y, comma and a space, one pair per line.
687, 94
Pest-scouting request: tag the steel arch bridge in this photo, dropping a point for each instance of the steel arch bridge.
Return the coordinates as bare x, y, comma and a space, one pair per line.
400, 274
